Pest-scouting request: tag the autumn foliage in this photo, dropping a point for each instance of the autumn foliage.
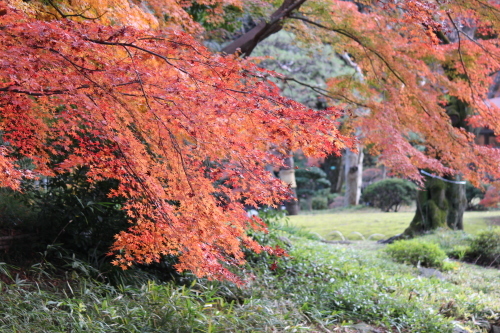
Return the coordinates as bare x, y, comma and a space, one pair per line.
187, 133
411, 61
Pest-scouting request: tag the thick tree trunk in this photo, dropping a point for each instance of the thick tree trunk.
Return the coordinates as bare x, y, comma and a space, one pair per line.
292, 206
353, 176
458, 203
440, 205
443, 202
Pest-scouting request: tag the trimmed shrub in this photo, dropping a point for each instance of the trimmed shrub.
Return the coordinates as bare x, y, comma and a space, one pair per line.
485, 248
319, 203
389, 194
415, 252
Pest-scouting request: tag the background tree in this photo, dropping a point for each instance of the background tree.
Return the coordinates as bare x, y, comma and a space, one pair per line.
309, 181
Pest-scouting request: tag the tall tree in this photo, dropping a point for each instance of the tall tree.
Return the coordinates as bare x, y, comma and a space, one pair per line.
415, 57
186, 133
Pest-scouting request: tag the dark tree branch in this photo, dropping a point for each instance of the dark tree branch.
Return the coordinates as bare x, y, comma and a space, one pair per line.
354, 38
246, 43
63, 15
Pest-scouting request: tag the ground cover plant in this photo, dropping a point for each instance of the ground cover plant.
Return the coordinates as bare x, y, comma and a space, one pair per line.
319, 287
415, 252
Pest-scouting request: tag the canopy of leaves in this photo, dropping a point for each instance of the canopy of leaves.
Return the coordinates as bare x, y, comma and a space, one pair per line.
185, 133
412, 58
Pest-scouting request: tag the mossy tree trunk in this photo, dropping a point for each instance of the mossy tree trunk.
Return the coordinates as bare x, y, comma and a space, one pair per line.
440, 205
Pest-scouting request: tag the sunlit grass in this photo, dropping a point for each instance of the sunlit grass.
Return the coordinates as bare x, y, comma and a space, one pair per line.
370, 222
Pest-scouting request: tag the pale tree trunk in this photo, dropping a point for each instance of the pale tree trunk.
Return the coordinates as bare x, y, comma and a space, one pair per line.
353, 176
287, 174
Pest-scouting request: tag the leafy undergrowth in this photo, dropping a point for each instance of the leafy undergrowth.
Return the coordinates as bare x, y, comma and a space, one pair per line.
318, 288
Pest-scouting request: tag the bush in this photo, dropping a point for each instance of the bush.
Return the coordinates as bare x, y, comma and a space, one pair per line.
485, 248
319, 203
389, 194
310, 181
78, 215
416, 252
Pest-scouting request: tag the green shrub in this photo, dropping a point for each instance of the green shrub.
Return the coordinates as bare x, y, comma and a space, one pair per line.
15, 212
459, 251
79, 215
485, 248
389, 194
319, 203
415, 252
454, 242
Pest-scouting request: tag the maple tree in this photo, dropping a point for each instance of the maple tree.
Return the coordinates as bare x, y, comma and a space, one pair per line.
186, 133
134, 105
424, 69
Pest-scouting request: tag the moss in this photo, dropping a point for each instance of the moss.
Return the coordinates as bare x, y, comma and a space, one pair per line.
432, 208
436, 215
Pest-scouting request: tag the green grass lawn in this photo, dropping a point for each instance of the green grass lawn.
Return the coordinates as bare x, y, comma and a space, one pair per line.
370, 222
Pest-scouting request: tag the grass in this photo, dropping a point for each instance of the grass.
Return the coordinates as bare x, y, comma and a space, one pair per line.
318, 288
374, 222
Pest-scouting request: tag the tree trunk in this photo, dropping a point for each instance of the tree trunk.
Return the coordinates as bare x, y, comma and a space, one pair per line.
287, 174
440, 205
353, 176
292, 206
458, 203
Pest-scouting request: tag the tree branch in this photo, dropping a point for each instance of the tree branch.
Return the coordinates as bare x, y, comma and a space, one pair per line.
246, 43
354, 38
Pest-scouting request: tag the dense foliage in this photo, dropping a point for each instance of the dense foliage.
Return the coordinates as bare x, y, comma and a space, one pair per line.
389, 194
131, 107
416, 252
98, 84
485, 248
340, 288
